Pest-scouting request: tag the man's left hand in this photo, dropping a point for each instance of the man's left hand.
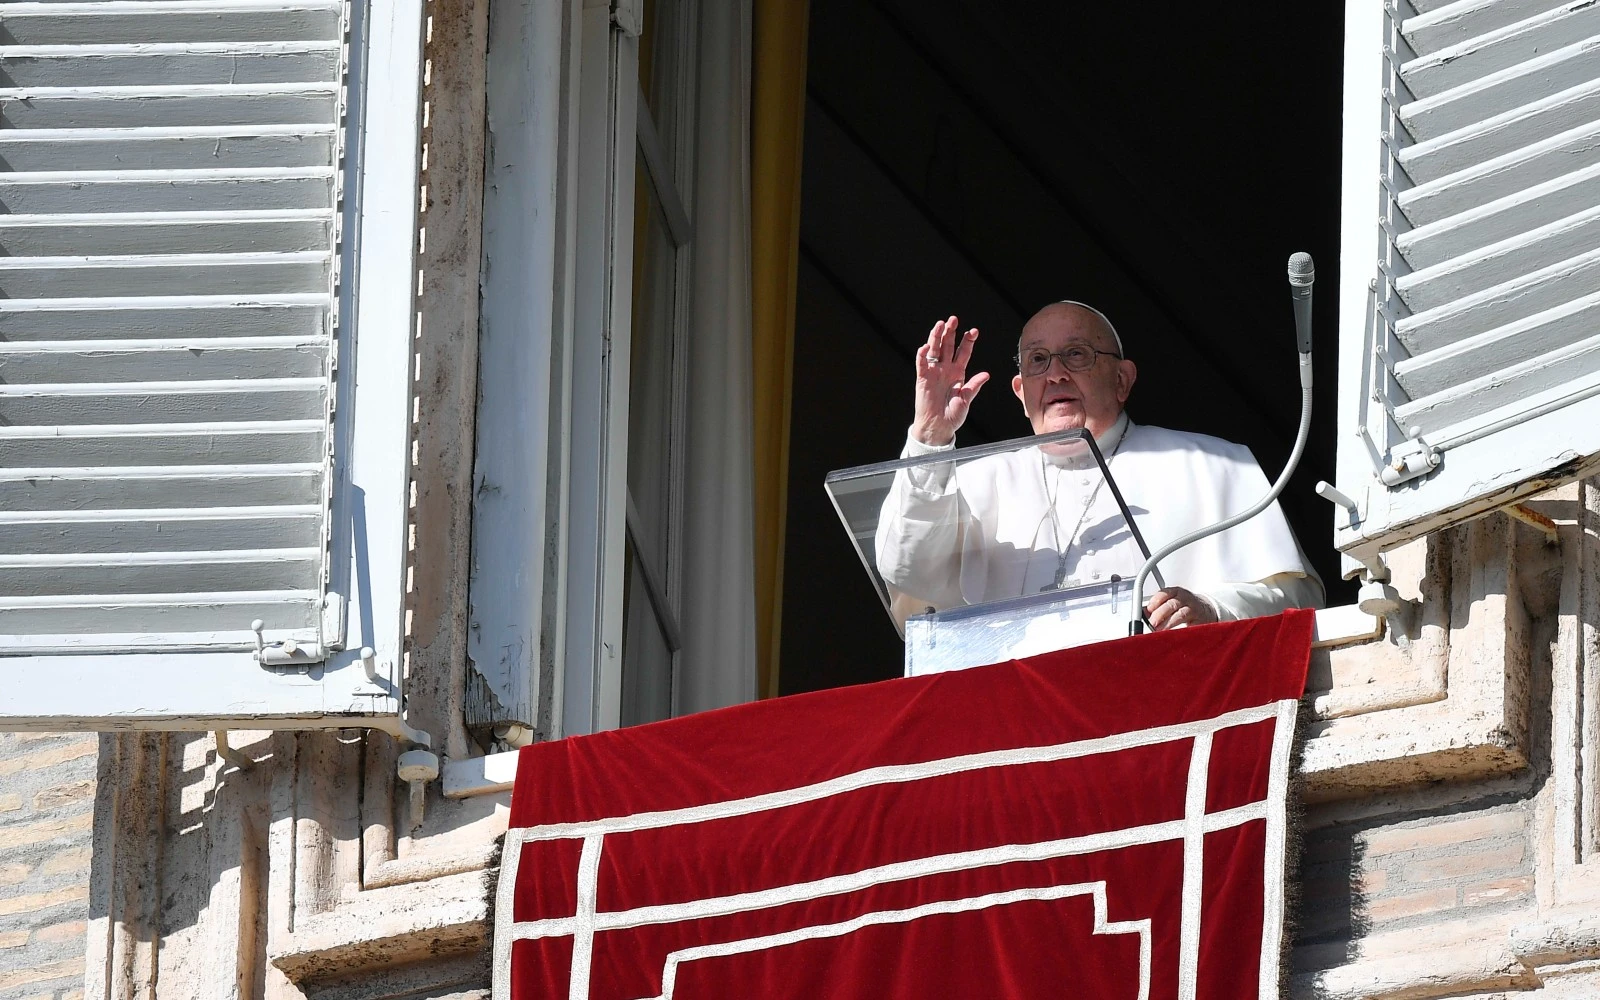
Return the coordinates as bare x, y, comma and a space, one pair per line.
1176, 606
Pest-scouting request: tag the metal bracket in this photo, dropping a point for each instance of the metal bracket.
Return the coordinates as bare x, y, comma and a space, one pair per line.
417, 768
1352, 509
288, 652
1408, 460
514, 735
1379, 598
226, 751
1534, 519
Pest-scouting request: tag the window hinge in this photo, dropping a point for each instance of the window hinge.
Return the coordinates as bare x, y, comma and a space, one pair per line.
1408, 460
628, 18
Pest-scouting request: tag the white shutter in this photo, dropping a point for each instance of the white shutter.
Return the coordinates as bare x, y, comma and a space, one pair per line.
1470, 370
204, 376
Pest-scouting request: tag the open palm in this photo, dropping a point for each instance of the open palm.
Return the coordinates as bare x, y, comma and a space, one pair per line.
944, 393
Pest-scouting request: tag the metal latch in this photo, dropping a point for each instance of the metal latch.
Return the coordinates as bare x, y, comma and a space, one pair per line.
1409, 460
288, 652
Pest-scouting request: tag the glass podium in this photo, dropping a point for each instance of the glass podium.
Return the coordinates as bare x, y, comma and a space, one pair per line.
996, 551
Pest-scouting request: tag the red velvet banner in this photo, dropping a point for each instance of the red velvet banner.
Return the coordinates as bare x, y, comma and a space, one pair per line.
1107, 821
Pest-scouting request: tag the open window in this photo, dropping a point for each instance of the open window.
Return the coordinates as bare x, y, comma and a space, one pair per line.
985, 159
205, 362
575, 618
1470, 348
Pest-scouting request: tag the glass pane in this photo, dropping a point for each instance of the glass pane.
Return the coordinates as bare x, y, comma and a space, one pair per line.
650, 392
969, 584
646, 660
931, 536
652, 459
660, 67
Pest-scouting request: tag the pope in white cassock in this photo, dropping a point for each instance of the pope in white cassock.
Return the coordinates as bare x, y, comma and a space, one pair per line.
1029, 521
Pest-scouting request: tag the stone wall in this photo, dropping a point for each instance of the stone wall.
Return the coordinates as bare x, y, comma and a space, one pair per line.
47, 786
1358, 877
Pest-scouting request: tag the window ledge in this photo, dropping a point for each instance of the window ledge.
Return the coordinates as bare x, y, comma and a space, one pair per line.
1441, 696
382, 927
491, 774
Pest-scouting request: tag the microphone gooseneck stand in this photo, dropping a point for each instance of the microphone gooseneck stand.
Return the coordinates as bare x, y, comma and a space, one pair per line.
1301, 275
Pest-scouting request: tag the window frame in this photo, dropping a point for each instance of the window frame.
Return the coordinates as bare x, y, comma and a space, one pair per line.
596, 439
670, 178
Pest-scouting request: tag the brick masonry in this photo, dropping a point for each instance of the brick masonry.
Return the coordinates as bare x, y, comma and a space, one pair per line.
47, 783
1414, 872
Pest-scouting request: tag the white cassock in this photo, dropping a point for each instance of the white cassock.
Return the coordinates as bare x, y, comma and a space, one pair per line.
1018, 523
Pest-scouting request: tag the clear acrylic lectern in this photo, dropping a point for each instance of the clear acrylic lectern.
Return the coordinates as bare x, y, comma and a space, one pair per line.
996, 551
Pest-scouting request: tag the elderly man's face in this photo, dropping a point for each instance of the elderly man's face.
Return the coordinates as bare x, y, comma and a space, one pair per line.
1059, 399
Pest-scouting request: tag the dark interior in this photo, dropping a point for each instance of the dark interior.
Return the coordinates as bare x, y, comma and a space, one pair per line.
985, 157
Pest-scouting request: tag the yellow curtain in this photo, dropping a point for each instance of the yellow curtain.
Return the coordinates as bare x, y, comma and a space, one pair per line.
777, 118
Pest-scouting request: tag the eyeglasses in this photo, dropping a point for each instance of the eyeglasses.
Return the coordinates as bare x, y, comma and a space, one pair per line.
1077, 358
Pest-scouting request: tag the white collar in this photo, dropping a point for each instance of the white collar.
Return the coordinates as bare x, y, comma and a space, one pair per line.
1107, 443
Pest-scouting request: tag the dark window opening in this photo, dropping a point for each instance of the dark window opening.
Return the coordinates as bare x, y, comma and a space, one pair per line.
985, 158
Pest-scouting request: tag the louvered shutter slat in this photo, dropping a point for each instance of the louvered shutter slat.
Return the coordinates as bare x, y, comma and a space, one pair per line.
131, 107
134, 317
48, 626
52, 404
218, 274
160, 190
141, 361
1470, 353
228, 148
1528, 41
1517, 216
126, 21
157, 572
166, 64
1506, 224
1506, 132
216, 528
169, 173
265, 443
1566, 155
137, 488
155, 234
1438, 26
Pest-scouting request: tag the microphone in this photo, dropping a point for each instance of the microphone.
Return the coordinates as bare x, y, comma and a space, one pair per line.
1301, 273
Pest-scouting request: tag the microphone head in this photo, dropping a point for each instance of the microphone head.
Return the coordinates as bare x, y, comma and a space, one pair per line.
1301, 270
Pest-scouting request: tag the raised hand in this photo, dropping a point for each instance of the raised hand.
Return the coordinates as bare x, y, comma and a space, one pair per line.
944, 393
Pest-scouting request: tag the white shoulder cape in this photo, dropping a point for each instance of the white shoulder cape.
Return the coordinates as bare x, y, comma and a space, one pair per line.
986, 534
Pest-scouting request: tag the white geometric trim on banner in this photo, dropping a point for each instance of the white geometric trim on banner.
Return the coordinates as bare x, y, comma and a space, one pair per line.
1191, 830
